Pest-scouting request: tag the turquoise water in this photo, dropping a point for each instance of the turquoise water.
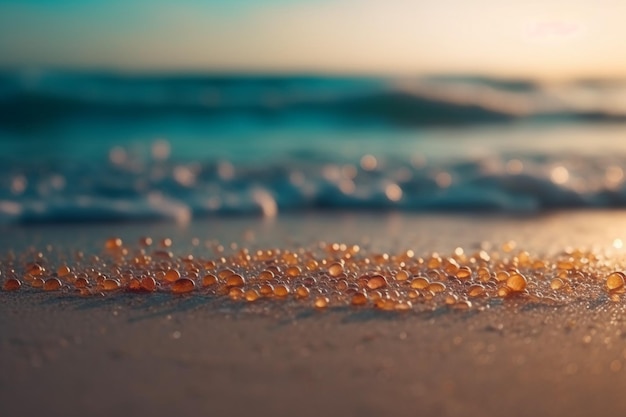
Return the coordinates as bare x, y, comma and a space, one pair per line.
97, 147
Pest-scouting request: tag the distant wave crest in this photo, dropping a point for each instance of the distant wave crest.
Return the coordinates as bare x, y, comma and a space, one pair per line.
38, 101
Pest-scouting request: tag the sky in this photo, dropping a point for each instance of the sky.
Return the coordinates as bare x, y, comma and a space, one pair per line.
549, 39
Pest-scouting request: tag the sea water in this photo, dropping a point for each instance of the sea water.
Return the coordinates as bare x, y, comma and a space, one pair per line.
102, 146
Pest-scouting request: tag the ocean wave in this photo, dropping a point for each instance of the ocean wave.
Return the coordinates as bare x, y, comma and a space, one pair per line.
37, 101
129, 189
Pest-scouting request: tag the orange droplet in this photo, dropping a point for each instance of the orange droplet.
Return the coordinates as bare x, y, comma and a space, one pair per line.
335, 269
113, 243
183, 285
12, 284
359, 299
52, 284
110, 284
615, 281
148, 283
321, 302
235, 280
376, 282
172, 275
516, 282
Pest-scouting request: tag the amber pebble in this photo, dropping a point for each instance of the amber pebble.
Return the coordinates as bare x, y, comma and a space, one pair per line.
451, 299
302, 291
266, 289
266, 275
385, 304
516, 282
110, 284
341, 285
557, 283
183, 285
225, 273
81, 282
420, 283
434, 262
145, 241
321, 302
12, 284
312, 265
361, 281
208, 280
172, 275
235, 293
524, 258
52, 284
464, 272
434, 275
503, 291
290, 258
113, 243
335, 269
359, 299
63, 270
615, 281
148, 283
381, 258
166, 243
451, 266
293, 271
251, 295
274, 269
475, 290
376, 282
502, 275
402, 275
349, 291
281, 290
134, 284
437, 287
235, 280
375, 295
483, 274
35, 269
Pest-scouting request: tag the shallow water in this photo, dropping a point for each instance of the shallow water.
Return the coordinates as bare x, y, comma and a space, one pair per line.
101, 147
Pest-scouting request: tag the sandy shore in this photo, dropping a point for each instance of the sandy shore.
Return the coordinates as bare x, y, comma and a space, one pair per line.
164, 355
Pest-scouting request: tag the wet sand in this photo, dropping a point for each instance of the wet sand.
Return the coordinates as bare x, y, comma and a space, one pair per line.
161, 354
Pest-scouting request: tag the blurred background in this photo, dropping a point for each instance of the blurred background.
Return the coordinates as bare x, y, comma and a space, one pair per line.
141, 110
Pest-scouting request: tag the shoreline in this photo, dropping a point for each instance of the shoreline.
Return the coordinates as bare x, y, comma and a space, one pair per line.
162, 354
130, 355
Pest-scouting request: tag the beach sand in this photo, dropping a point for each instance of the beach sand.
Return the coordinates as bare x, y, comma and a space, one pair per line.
161, 355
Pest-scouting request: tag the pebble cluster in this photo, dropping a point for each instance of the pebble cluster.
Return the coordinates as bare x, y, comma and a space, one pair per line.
326, 275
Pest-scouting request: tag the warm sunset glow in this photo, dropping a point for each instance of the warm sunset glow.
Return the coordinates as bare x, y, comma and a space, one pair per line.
550, 40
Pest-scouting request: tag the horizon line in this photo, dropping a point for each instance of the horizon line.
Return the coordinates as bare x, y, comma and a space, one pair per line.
329, 73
